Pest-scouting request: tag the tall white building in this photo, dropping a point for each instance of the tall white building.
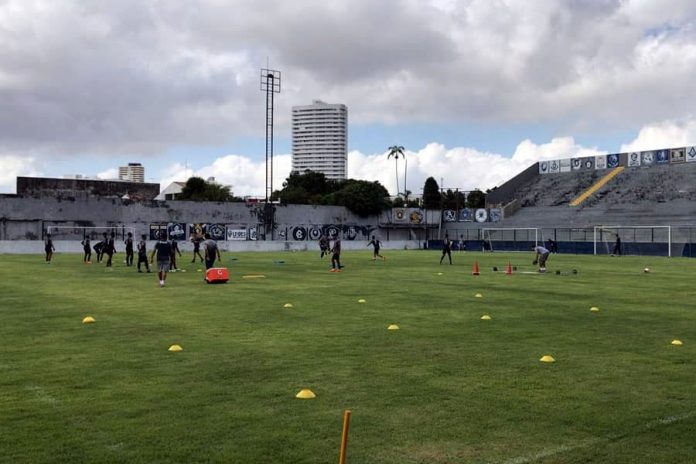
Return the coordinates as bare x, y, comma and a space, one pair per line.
134, 172
320, 139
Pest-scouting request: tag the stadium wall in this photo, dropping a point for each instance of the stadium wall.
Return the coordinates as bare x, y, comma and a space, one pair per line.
507, 191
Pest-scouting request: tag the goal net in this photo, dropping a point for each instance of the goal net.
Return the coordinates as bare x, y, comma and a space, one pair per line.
93, 233
511, 239
633, 240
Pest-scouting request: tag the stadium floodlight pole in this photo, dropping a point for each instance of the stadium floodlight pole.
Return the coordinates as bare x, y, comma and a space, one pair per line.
270, 83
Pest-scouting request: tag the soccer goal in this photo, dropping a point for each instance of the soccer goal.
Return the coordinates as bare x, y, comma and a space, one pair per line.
633, 240
93, 233
511, 238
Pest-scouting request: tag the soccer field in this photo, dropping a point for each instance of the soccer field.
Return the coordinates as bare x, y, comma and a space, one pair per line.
447, 387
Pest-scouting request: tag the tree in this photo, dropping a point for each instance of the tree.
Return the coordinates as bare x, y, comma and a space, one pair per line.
197, 189
362, 197
395, 151
309, 187
453, 200
476, 199
431, 194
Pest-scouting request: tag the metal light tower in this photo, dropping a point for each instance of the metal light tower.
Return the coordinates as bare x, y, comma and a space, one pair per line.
270, 83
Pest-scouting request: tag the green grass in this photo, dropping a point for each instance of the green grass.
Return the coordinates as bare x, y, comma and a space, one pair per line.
445, 388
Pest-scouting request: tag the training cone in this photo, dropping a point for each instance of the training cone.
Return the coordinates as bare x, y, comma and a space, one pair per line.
305, 394
361, 300
175, 348
508, 270
439, 273
547, 359
393, 327
478, 295
287, 305
88, 320
677, 342
594, 309
475, 270
485, 317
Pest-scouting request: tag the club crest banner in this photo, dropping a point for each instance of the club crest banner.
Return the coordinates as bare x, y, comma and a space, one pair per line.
587, 163
634, 159
449, 215
613, 161
576, 164
495, 214
176, 231
216, 231
466, 215
647, 158
662, 157
554, 166
601, 162
158, 231
677, 155
690, 154
543, 167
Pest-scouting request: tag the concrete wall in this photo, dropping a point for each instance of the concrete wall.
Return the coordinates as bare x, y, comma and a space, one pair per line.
49, 186
508, 191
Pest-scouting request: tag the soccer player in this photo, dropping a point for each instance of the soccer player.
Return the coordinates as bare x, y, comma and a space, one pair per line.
196, 240
49, 248
461, 245
175, 250
446, 249
87, 248
336, 256
110, 248
211, 251
142, 253
324, 245
376, 244
129, 249
99, 248
163, 250
617, 246
542, 254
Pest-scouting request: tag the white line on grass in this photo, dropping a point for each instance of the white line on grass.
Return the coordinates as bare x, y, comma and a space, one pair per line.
548, 452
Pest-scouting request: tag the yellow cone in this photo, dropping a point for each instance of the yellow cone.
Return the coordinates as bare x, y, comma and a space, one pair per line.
485, 317
287, 305
547, 359
88, 320
176, 348
361, 300
677, 342
439, 273
393, 327
594, 309
305, 394
478, 295
200, 270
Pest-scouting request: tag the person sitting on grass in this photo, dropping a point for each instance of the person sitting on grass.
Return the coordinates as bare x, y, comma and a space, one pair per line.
542, 254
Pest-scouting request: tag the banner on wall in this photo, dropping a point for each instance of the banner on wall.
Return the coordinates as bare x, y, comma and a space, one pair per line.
543, 167
554, 166
466, 215
690, 154
234, 233
587, 163
449, 215
197, 228
495, 214
600, 162
158, 231
481, 215
299, 233
613, 161
565, 165
576, 164
400, 215
677, 155
216, 231
252, 233
350, 232
634, 159
662, 157
314, 232
647, 158
176, 231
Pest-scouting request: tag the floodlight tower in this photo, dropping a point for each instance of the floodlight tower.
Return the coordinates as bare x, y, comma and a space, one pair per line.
270, 83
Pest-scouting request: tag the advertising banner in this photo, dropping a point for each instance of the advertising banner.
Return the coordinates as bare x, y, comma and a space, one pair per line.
233, 233
176, 231
565, 165
158, 231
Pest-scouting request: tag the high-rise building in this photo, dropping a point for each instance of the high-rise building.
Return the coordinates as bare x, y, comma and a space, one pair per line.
134, 172
320, 139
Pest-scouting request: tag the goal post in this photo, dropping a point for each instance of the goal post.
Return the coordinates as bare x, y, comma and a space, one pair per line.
512, 238
634, 240
93, 233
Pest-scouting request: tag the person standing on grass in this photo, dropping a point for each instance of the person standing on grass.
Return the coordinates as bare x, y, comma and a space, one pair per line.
163, 250
142, 253
542, 254
129, 249
196, 240
110, 248
446, 249
87, 248
211, 251
462, 245
376, 244
49, 248
99, 248
175, 250
324, 245
617, 246
336, 256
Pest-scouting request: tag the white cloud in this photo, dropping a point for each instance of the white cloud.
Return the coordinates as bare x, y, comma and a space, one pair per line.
111, 173
666, 134
13, 166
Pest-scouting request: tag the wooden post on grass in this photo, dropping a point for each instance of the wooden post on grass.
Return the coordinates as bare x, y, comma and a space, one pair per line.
344, 437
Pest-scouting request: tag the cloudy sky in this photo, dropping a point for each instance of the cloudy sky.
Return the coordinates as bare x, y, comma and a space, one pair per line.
476, 90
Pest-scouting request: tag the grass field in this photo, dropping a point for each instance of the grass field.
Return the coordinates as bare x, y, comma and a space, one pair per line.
445, 388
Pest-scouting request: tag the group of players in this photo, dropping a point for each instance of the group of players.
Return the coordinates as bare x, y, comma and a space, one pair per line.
326, 248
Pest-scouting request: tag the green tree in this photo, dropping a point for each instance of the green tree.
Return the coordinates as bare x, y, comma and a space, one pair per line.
362, 197
309, 187
476, 199
453, 200
197, 189
431, 194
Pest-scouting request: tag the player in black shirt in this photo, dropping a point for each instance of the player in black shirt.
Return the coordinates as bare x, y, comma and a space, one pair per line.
175, 250
163, 250
336, 256
87, 248
142, 253
196, 239
323, 245
49, 248
376, 244
110, 249
446, 249
129, 249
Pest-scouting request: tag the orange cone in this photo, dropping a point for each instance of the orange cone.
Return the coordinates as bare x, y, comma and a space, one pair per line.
475, 270
508, 271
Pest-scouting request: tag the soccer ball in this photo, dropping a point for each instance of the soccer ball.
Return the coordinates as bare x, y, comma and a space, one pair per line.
646, 270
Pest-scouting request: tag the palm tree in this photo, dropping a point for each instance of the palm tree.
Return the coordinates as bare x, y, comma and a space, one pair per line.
395, 151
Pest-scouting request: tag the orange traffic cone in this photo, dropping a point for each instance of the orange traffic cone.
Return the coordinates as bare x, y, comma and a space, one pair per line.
475, 270
508, 271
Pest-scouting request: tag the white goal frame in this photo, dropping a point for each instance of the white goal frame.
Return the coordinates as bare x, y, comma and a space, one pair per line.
611, 229
538, 235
